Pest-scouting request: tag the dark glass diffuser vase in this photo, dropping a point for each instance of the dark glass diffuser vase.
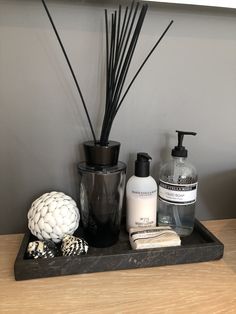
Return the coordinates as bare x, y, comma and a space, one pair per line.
102, 185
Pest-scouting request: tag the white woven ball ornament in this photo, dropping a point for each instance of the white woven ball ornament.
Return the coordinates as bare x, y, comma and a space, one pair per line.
52, 216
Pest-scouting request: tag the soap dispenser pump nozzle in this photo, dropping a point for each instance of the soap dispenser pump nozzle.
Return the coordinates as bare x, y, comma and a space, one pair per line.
142, 165
180, 150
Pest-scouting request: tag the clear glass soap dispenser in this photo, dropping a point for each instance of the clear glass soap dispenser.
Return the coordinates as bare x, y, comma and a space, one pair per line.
178, 190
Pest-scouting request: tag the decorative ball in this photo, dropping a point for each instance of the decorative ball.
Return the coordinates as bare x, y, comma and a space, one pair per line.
73, 246
52, 216
42, 249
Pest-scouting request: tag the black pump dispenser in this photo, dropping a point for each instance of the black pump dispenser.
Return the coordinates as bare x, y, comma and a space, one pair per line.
142, 165
180, 151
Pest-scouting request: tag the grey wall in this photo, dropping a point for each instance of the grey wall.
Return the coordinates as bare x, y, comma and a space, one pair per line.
189, 83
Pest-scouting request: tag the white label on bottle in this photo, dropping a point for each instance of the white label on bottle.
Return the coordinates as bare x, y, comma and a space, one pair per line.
177, 194
142, 208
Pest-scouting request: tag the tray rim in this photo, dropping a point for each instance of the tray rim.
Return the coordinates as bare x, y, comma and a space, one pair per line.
21, 261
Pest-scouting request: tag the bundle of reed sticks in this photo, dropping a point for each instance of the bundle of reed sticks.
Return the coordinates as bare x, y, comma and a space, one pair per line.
120, 47
123, 28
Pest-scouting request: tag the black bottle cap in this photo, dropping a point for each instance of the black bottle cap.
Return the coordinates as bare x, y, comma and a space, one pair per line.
180, 150
142, 165
101, 156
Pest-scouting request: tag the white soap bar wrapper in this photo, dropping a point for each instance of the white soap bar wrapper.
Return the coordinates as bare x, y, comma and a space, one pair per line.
153, 237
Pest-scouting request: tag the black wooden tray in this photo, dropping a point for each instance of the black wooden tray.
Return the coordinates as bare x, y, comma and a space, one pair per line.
200, 246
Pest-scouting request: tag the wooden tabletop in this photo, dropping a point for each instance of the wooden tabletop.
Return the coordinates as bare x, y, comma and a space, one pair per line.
194, 288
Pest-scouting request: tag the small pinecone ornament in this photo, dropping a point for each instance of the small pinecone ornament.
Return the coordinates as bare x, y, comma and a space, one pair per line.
73, 246
42, 249
52, 216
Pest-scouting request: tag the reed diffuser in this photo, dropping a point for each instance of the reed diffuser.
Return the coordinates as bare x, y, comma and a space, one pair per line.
102, 176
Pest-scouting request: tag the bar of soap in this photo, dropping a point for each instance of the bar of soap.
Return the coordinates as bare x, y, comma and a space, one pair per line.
153, 237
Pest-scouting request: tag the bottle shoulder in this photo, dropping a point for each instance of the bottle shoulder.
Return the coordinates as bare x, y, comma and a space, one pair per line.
141, 183
178, 170
178, 164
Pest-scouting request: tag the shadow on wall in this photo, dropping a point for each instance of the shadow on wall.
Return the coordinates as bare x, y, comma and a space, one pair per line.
218, 193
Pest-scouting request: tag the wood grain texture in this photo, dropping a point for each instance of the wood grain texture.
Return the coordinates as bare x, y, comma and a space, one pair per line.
193, 288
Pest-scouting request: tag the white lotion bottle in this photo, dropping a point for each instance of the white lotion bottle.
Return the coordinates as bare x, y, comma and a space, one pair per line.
141, 195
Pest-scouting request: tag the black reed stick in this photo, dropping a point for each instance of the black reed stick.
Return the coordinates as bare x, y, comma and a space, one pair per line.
71, 69
118, 29
107, 57
145, 60
123, 27
113, 35
111, 61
